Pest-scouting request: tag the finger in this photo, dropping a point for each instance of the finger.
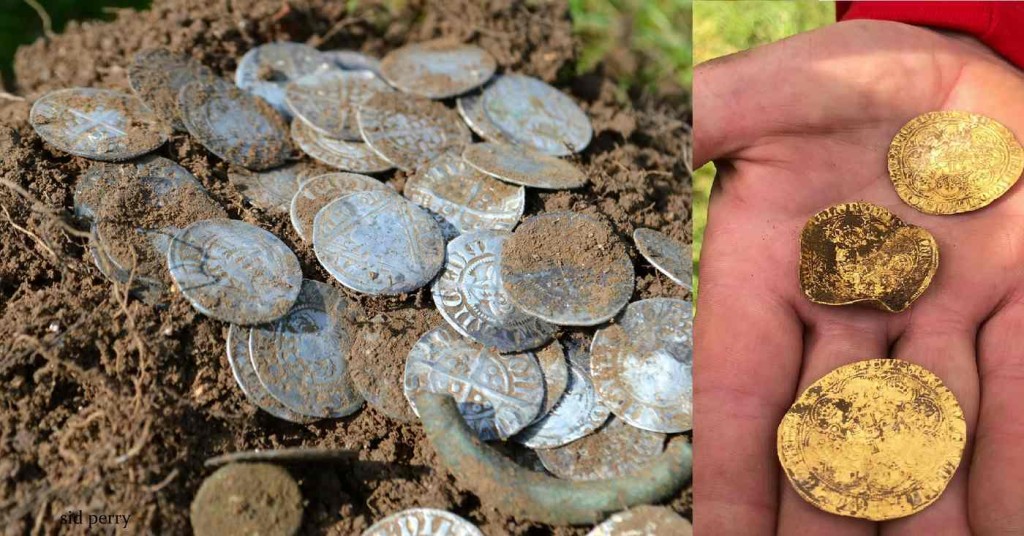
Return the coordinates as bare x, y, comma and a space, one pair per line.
806, 84
748, 344
943, 341
997, 465
835, 337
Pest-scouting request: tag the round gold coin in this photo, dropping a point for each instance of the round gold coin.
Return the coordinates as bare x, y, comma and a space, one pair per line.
877, 439
859, 252
953, 162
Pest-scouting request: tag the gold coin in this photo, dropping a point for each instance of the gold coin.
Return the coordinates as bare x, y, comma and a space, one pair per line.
877, 439
859, 252
953, 162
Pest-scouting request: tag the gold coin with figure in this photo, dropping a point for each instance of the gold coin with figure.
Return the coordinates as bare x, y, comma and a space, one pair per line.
877, 439
859, 252
952, 162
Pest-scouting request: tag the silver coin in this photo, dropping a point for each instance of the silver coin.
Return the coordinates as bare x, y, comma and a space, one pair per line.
272, 190
409, 131
556, 375
157, 75
575, 415
327, 101
520, 165
264, 71
378, 243
100, 124
245, 375
314, 194
497, 394
234, 125
471, 108
351, 156
149, 290
138, 249
94, 183
644, 520
614, 450
437, 69
643, 366
350, 60
302, 358
567, 268
422, 522
467, 199
470, 296
537, 115
669, 256
234, 271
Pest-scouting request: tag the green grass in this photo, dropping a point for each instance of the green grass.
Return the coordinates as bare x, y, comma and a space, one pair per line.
722, 28
657, 32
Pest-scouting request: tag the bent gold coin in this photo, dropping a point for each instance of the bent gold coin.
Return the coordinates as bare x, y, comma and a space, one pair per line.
953, 162
859, 252
877, 439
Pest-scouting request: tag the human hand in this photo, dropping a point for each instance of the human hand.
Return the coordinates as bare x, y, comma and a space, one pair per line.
795, 127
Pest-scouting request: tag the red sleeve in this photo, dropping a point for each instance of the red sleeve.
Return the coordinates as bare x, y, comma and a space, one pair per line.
1000, 25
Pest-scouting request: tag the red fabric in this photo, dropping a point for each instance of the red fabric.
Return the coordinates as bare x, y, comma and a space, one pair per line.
1000, 25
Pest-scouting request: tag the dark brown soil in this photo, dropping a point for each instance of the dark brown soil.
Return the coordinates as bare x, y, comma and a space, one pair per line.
110, 405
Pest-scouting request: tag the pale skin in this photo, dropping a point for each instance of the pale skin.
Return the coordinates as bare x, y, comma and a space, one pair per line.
795, 127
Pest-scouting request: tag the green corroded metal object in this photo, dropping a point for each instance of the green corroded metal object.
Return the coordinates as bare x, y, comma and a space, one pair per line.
536, 496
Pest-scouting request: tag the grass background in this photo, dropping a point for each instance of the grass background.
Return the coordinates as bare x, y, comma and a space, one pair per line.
655, 32
722, 28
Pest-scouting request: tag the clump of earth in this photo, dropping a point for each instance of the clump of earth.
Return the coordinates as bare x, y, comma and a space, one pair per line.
111, 405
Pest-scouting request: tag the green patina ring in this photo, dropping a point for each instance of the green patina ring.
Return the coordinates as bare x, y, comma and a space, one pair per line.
535, 496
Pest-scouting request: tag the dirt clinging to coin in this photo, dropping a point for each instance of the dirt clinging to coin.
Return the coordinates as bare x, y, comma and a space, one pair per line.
112, 405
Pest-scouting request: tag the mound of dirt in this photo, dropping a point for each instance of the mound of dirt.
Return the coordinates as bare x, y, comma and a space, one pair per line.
111, 406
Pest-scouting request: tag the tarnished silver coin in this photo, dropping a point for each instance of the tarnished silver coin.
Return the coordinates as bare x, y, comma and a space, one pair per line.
239, 128
283, 456
537, 115
351, 60
100, 124
317, 192
410, 131
302, 358
669, 256
94, 184
556, 375
497, 394
378, 243
422, 522
471, 108
353, 156
234, 271
157, 75
643, 366
150, 290
470, 296
327, 101
616, 449
264, 71
575, 415
245, 375
567, 268
644, 520
520, 165
437, 69
274, 189
464, 197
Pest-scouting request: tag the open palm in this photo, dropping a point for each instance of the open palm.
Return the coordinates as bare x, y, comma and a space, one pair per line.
798, 126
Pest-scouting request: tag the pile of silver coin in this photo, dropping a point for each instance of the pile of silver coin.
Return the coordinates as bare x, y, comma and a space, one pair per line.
581, 407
